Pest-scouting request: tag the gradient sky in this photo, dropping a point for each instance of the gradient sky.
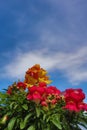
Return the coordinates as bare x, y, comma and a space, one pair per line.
52, 33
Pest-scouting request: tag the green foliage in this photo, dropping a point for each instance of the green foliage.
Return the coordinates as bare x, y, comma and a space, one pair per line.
11, 123
19, 113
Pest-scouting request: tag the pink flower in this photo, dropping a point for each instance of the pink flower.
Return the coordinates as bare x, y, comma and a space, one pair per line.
36, 96
38, 89
42, 84
71, 106
29, 97
82, 106
9, 91
53, 101
75, 95
21, 85
44, 103
32, 89
36, 93
52, 90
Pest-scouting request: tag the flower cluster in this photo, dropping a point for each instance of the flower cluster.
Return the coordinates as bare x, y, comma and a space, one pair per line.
44, 95
74, 100
33, 105
16, 86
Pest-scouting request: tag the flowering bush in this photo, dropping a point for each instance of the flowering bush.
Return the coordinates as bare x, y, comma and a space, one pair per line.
34, 105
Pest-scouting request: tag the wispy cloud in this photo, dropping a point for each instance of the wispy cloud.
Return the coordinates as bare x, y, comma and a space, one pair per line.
63, 29
71, 64
61, 26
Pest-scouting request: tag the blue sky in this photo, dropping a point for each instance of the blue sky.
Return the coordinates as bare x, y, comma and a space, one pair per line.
52, 33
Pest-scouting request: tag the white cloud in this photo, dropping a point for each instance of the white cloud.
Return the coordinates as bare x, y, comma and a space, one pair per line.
23, 61
71, 64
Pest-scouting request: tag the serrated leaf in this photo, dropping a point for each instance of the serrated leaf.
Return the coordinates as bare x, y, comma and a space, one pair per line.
11, 123
32, 127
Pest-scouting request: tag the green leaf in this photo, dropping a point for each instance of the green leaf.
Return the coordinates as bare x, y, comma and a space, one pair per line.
11, 123
25, 106
66, 125
11, 105
32, 127
23, 123
55, 119
6, 128
84, 125
44, 116
3, 95
27, 118
4, 118
37, 111
15, 107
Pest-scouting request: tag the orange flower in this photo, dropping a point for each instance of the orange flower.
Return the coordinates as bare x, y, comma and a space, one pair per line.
36, 75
